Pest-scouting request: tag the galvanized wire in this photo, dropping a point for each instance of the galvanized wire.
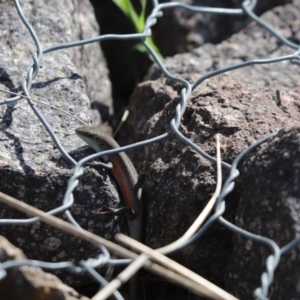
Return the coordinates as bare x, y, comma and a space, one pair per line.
104, 258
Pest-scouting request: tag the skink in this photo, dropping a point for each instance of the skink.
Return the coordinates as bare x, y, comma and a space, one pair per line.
123, 172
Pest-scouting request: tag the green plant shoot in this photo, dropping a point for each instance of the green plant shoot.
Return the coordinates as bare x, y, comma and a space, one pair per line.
138, 22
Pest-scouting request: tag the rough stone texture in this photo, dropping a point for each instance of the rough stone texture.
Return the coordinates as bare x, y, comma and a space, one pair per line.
253, 42
269, 206
9, 252
31, 167
74, 22
177, 181
30, 283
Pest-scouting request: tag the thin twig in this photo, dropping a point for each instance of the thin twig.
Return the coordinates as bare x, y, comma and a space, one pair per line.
205, 212
46, 104
123, 277
123, 120
208, 289
97, 240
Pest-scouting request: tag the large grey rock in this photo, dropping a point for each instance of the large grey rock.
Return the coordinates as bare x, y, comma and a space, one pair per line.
31, 167
268, 206
178, 182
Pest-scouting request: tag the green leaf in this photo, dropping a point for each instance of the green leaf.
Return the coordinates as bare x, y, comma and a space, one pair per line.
142, 15
138, 22
151, 43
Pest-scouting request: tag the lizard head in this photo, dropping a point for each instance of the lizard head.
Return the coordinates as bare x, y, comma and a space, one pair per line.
96, 139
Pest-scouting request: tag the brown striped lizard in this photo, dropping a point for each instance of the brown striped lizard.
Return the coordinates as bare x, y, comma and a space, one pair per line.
123, 171
127, 178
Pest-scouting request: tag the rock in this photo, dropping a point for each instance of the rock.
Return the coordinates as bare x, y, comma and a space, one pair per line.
31, 167
30, 283
268, 206
253, 42
178, 182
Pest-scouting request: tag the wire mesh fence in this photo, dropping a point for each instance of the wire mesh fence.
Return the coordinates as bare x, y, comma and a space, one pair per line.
160, 264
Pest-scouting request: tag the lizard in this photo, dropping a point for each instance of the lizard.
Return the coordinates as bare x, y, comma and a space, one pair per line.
123, 171
126, 177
